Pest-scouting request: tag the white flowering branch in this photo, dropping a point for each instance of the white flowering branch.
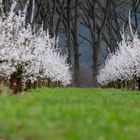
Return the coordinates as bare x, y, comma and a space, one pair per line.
33, 54
124, 65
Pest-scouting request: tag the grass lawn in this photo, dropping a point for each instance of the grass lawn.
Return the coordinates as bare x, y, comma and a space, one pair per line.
71, 114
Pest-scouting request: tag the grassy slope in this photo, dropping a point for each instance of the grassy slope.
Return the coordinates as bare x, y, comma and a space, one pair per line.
71, 114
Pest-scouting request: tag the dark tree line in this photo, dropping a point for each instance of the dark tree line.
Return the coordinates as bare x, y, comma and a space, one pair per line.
103, 19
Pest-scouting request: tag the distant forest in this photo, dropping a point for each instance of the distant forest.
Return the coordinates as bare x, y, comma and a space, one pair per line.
91, 25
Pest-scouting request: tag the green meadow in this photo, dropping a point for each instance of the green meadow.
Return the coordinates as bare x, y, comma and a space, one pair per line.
71, 114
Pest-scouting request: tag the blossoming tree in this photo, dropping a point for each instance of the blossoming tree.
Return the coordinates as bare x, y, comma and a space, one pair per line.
27, 54
124, 65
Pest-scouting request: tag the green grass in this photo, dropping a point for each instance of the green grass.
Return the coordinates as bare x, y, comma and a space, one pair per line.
71, 114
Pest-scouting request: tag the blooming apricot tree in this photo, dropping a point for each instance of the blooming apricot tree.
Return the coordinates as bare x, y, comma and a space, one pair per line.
28, 54
124, 65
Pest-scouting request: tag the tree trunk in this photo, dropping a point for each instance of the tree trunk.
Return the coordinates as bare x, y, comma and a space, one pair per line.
68, 33
95, 60
15, 84
139, 84
76, 64
95, 67
76, 45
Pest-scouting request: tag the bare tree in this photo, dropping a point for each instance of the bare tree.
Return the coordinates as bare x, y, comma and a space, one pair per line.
95, 15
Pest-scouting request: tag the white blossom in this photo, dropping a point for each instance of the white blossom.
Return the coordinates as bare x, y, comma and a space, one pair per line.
124, 64
34, 53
